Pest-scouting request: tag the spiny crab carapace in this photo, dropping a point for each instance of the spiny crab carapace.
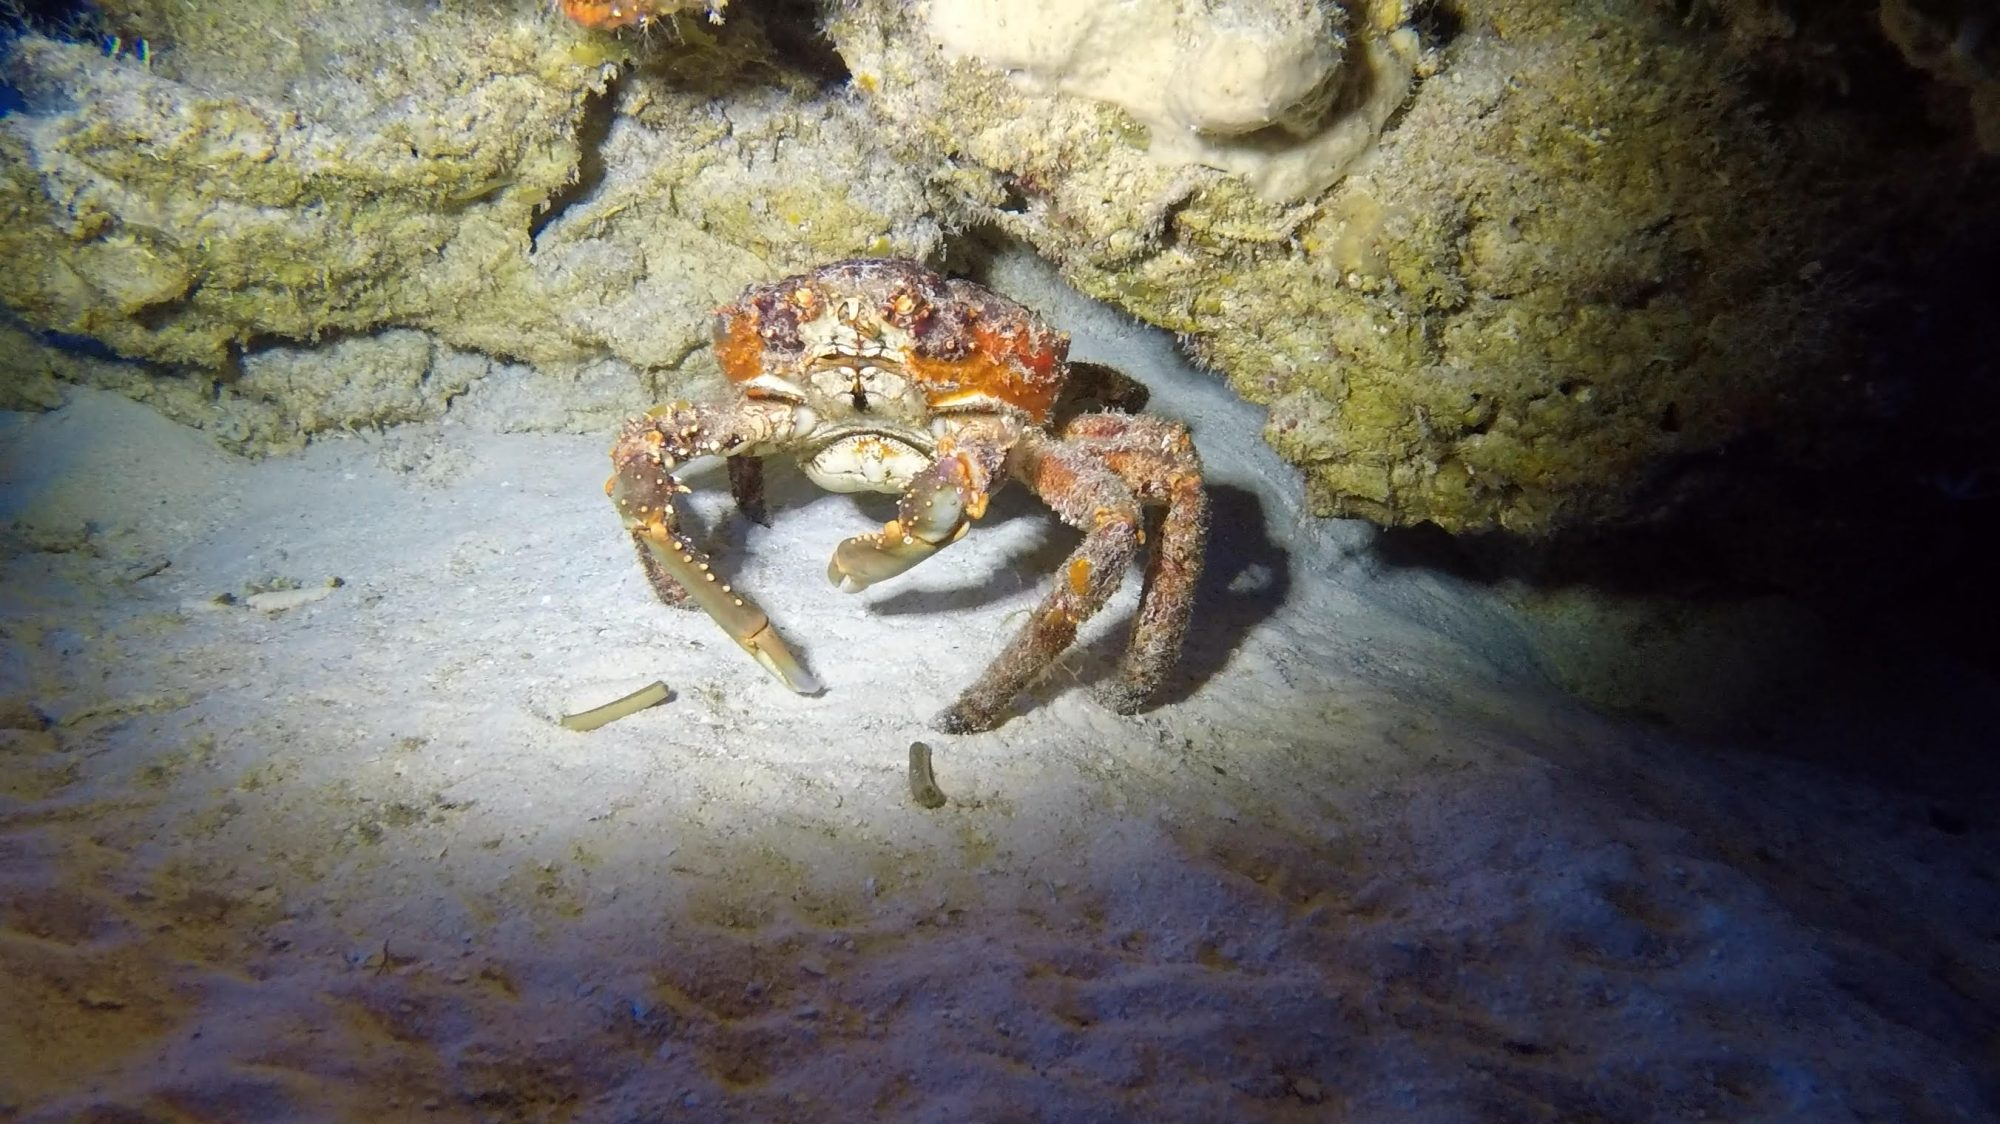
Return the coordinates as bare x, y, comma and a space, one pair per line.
637, 15
880, 375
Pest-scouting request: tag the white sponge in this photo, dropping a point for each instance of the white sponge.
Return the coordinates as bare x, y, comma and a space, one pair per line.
1260, 88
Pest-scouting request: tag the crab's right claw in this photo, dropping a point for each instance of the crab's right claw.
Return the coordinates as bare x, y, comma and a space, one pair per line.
738, 615
934, 512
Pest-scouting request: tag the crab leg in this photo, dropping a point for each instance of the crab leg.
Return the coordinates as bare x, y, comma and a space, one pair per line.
933, 512
1085, 494
643, 488
1157, 460
738, 615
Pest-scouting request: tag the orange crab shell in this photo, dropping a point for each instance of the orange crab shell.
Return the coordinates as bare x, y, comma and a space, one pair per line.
609, 15
739, 347
972, 346
1020, 364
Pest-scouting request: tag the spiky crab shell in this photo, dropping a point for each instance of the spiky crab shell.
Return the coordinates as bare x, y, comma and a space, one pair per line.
966, 347
635, 15
609, 15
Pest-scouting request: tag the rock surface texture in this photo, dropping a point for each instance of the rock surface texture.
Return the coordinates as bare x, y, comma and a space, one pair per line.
1497, 266
1589, 249
519, 188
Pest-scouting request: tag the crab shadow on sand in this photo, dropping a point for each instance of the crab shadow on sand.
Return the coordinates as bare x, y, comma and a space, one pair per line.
1246, 578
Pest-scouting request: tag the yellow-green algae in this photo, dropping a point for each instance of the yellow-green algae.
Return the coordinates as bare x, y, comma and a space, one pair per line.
356, 167
1588, 248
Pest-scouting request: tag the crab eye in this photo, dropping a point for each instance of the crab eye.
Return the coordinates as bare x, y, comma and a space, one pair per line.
906, 310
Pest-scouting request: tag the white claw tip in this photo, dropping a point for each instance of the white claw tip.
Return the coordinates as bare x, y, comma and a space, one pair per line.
842, 580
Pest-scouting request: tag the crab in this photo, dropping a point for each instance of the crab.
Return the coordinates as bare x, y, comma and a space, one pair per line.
640, 15
880, 375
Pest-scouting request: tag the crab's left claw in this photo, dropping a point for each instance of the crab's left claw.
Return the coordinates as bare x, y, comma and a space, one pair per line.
934, 511
644, 489
738, 615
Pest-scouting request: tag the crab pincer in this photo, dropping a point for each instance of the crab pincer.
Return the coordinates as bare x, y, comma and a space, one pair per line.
738, 615
643, 487
933, 512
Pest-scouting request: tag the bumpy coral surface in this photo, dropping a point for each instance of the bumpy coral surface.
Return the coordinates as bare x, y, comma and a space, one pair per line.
1583, 255
1496, 265
514, 184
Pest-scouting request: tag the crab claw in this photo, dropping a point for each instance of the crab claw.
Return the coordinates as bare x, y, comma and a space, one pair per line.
767, 649
738, 615
935, 511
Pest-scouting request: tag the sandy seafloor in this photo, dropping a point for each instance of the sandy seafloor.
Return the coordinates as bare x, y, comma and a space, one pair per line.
336, 861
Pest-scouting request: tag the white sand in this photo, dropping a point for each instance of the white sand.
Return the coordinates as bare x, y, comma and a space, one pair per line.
336, 862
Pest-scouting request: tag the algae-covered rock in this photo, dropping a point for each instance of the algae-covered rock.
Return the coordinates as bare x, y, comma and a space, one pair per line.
176, 219
513, 184
1586, 249
1494, 265
379, 380
32, 373
1958, 43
